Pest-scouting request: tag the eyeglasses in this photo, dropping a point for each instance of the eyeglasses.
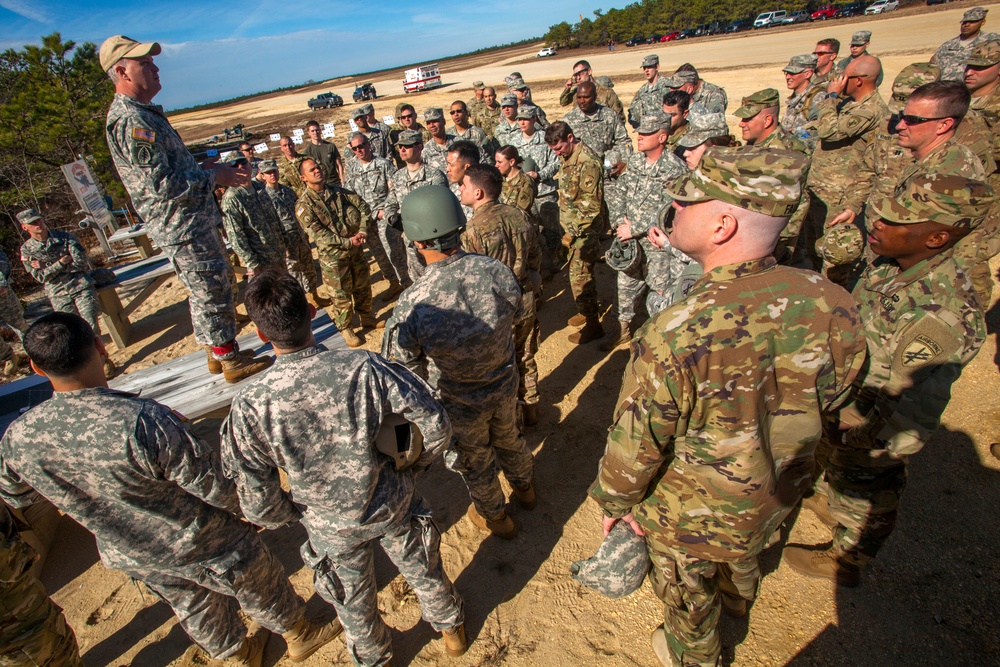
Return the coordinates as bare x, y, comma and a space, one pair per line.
456, 111
910, 119
408, 116
579, 72
357, 148
823, 53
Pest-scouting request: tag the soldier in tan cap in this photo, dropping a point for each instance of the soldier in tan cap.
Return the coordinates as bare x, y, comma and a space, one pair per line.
953, 54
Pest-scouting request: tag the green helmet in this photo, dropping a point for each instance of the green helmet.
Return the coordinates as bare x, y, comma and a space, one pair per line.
430, 212
623, 255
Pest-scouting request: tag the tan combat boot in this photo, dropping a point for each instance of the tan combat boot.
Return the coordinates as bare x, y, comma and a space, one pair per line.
395, 289
502, 526
109, 368
824, 564
455, 644
306, 638
239, 367
819, 504
369, 322
14, 363
525, 495
251, 652
316, 300
577, 320
214, 365
619, 335
661, 648
592, 330
350, 337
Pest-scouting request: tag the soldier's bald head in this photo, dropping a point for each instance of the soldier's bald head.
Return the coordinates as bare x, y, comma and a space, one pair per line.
587, 88
866, 66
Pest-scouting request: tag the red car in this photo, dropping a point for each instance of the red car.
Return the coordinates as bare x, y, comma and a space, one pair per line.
823, 13
671, 36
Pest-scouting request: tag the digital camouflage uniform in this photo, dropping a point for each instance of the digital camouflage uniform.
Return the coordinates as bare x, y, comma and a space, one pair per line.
801, 113
371, 181
710, 96
33, 629
505, 132
402, 183
479, 138
315, 415
603, 133
11, 311
173, 196
545, 208
253, 228
69, 287
606, 97
331, 217
381, 146
132, 473
715, 429
953, 54
436, 155
299, 255
648, 100
455, 327
581, 210
508, 235
325, 154
519, 192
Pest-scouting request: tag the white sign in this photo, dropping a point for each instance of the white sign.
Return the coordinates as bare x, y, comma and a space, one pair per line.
88, 194
328, 134
328, 126
275, 137
297, 139
227, 156
260, 148
389, 120
297, 132
354, 126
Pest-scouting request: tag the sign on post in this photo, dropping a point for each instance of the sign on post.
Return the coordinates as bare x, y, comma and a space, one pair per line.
91, 200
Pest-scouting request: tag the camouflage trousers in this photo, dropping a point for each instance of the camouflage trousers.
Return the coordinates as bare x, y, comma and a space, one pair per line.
545, 210
691, 591
631, 288
373, 241
11, 314
33, 629
83, 303
202, 266
206, 597
526, 334
394, 246
347, 581
822, 205
484, 441
349, 284
299, 259
582, 255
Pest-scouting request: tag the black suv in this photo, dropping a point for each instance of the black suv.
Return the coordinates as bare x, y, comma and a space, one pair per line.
853, 9
364, 91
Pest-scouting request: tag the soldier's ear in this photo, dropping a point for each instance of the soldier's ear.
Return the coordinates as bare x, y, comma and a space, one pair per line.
312, 311
265, 339
38, 371
938, 240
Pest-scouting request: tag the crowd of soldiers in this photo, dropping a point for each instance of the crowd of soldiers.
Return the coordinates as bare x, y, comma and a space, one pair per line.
756, 381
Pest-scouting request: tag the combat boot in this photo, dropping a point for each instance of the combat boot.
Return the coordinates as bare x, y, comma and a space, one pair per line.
502, 526
577, 320
591, 331
525, 495
306, 638
109, 368
661, 649
530, 414
350, 337
251, 652
619, 335
455, 644
369, 322
14, 363
238, 367
819, 504
214, 365
733, 605
316, 300
822, 565
395, 289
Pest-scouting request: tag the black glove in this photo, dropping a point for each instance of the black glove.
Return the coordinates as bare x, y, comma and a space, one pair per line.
396, 221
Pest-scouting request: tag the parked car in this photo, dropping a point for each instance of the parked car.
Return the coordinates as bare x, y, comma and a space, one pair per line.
936, 2
823, 13
880, 6
326, 101
654, 39
713, 28
671, 36
853, 9
799, 16
636, 41
547, 51
365, 91
768, 19
739, 25
690, 32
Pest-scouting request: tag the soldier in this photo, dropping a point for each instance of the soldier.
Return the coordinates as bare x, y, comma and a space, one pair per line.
174, 195
605, 95
58, 261
154, 495
246, 151
826, 53
507, 127
633, 202
600, 129
518, 189
523, 93
436, 150
760, 127
463, 131
290, 164
951, 56
406, 119
461, 156
801, 108
378, 126
320, 150
859, 47
649, 98
478, 99
378, 141
11, 314
488, 114
704, 465
530, 143
704, 131
370, 178
581, 211
299, 257
677, 105
317, 417
336, 220
454, 327
708, 95
252, 226
923, 324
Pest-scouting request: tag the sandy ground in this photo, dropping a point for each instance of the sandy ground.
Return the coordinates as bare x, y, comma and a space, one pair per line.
931, 598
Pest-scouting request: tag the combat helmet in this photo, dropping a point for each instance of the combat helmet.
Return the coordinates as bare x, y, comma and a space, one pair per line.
623, 255
432, 213
400, 440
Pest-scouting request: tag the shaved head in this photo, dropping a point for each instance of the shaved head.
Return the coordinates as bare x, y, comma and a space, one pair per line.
587, 88
866, 66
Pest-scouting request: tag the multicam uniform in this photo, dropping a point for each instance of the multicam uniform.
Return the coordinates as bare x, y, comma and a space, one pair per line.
299, 254
454, 326
988, 234
787, 240
253, 228
315, 415
487, 118
290, 174
581, 205
371, 181
131, 472
68, 287
519, 192
708, 465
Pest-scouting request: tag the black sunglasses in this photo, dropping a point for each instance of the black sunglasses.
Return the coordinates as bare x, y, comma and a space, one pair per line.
910, 119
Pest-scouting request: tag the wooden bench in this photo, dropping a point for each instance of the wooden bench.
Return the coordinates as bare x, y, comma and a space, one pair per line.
139, 236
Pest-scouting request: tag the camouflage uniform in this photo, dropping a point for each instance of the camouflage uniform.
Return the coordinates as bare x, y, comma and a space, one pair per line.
606, 97
33, 629
381, 146
603, 133
546, 204
507, 234
987, 243
519, 192
692, 456
371, 181
801, 113
488, 118
506, 132
299, 254
402, 183
436, 155
581, 207
331, 217
253, 228
710, 96
782, 140
173, 195
477, 136
11, 312
69, 287
131, 472
953, 54
648, 100
454, 327
289, 172
315, 415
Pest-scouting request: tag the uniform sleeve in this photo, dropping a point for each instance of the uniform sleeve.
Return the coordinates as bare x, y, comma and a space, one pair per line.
615, 105
324, 237
850, 122
13, 490
391, 200
401, 344
622, 144
550, 166
471, 242
233, 219
566, 96
585, 202
39, 274
151, 170
856, 195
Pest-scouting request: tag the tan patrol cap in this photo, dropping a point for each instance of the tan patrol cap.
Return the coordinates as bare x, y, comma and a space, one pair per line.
115, 48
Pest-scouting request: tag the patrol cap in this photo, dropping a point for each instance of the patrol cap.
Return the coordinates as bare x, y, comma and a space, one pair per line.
799, 64
861, 37
267, 166
478, 85
605, 81
358, 113
239, 162
703, 127
653, 123
985, 54
525, 112
434, 113
115, 48
909, 79
409, 138
28, 216
508, 100
680, 78
652, 60
765, 180
367, 109
841, 244
619, 566
757, 102
974, 14
519, 84
511, 79
947, 199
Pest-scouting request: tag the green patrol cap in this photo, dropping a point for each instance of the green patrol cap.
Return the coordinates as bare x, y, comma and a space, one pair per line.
799, 64
28, 216
841, 244
703, 127
861, 37
765, 180
267, 166
409, 138
947, 199
974, 14
754, 104
434, 113
653, 123
508, 100
985, 54
909, 79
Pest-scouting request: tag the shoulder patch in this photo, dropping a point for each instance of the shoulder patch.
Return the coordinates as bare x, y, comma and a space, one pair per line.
920, 350
299, 210
143, 134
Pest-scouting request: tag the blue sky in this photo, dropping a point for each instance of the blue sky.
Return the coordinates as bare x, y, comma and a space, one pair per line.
217, 50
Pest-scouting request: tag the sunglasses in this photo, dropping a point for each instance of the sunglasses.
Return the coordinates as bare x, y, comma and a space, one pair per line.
456, 111
910, 119
822, 53
357, 148
407, 116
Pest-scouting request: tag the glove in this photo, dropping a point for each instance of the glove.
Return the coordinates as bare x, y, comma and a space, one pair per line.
567, 240
396, 221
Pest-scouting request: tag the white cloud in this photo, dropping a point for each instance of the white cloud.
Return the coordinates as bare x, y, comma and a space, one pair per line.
29, 10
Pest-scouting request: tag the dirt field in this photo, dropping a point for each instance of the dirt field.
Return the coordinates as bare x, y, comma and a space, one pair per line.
930, 599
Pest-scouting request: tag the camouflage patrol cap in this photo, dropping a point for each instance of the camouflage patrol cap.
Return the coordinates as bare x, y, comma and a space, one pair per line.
433, 113
409, 138
508, 100
681, 78
653, 123
841, 244
478, 85
985, 54
115, 48
267, 166
974, 14
799, 64
703, 127
519, 84
909, 79
358, 113
619, 565
765, 180
947, 199
605, 81
28, 216
757, 102
623, 255
652, 60
861, 37
524, 112
512, 78
367, 109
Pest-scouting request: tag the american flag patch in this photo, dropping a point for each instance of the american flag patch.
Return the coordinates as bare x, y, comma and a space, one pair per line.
143, 134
